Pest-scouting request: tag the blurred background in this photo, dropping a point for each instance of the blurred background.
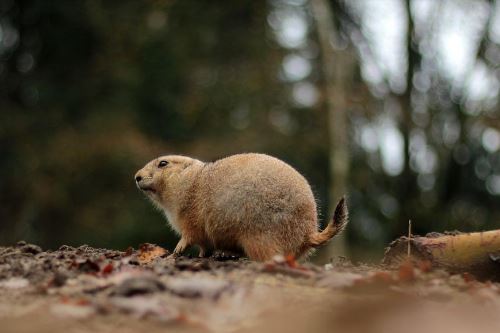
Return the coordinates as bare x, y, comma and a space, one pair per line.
394, 102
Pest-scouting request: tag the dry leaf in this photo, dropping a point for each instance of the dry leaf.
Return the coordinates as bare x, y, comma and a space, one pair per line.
148, 252
406, 272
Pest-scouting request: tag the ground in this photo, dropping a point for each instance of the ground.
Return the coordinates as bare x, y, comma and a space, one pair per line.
86, 289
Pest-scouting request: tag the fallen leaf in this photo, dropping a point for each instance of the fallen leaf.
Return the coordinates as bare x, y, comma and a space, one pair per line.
406, 272
288, 266
148, 252
424, 266
290, 261
468, 277
108, 269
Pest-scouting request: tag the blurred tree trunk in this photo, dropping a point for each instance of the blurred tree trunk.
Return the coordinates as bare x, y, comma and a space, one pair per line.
407, 188
455, 170
337, 66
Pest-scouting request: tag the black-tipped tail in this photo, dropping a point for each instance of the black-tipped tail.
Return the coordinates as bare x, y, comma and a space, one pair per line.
336, 225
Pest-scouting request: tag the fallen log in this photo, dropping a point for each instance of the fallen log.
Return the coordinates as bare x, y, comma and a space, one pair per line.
477, 253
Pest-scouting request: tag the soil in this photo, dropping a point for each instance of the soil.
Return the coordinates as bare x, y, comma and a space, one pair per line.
87, 289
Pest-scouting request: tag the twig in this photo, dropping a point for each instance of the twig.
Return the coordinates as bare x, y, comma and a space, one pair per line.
409, 238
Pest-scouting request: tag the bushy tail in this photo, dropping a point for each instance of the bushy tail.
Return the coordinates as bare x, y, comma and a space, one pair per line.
336, 225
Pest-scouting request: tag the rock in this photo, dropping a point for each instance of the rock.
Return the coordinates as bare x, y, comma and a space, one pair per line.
87, 266
65, 248
142, 306
14, 283
138, 286
75, 311
31, 248
59, 279
197, 287
192, 265
339, 279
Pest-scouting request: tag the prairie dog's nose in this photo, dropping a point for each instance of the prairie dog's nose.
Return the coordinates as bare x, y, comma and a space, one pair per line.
139, 176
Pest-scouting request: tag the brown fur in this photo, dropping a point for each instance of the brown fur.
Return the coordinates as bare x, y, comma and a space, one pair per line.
253, 203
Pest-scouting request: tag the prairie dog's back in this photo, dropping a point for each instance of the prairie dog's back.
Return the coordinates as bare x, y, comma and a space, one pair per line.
252, 193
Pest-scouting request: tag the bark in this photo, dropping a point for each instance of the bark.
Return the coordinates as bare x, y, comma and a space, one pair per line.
336, 69
476, 253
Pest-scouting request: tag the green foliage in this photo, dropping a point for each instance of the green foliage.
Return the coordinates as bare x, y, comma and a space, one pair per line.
92, 90
112, 85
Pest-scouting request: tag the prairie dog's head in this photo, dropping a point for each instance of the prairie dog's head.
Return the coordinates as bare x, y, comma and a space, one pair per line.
166, 178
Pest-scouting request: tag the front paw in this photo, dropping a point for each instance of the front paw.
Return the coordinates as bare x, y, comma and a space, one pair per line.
173, 256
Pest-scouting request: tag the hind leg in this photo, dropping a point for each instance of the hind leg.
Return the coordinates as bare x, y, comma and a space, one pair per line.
202, 253
260, 248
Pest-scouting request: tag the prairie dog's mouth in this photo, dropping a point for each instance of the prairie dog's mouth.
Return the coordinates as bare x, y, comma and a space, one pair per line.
145, 185
147, 189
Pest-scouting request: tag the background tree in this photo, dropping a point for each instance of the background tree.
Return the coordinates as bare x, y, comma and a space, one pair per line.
90, 91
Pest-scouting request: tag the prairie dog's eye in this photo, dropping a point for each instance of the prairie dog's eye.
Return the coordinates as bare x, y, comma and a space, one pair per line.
162, 164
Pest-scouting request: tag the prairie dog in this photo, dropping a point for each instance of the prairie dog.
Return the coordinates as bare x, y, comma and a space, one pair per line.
253, 203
